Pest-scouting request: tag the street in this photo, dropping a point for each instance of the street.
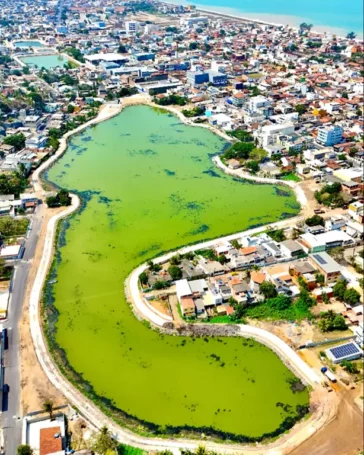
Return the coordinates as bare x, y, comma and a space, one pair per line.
10, 420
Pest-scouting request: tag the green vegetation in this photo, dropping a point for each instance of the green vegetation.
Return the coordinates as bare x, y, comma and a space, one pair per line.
242, 135
315, 220
330, 195
143, 278
175, 272
10, 226
13, 183
170, 99
330, 321
48, 407
75, 53
25, 449
103, 443
123, 449
16, 140
268, 289
5, 270
127, 91
278, 235
291, 177
350, 367
280, 308
62, 198
194, 112
349, 296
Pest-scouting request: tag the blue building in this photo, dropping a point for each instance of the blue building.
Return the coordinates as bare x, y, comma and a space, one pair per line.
216, 78
330, 135
197, 77
144, 56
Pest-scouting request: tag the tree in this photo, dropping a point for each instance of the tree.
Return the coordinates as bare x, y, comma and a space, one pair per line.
103, 442
253, 166
70, 109
238, 312
331, 321
175, 272
62, 199
351, 35
339, 289
301, 109
351, 297
281, 302
278, 235
143, 278
193, 46
122, 49
175, 260
16, 140
350, 367
268, 289
48, 407
258, 155
320, 279
337, 253
24, 449
37, 100
222, 259
315, 220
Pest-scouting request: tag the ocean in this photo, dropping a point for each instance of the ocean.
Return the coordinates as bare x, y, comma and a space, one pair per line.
332, 16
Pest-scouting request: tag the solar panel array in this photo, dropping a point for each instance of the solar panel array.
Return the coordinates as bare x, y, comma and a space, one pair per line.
344, 350
319, 259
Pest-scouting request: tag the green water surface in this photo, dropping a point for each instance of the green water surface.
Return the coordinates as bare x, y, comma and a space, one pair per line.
45, 61
150, 185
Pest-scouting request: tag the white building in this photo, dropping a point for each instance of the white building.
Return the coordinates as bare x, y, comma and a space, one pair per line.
132, 26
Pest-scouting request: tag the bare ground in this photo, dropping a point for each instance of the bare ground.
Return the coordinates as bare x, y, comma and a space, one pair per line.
343, 436
35, 386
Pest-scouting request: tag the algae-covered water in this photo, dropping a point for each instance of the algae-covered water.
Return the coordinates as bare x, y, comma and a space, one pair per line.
45, 61
150, 185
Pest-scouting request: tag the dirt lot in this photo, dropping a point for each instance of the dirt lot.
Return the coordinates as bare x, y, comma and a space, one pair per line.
35, 385
343, 436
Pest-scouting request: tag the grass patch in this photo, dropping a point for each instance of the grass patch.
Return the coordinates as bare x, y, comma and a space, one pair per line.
124, 449
263, 311
293, 177
220, 320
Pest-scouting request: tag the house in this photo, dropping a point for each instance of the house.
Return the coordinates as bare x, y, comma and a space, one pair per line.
187, 306
256, 279
12, 252
300, 268
329, 268
50, 441
348, 351
335, 222
291, 248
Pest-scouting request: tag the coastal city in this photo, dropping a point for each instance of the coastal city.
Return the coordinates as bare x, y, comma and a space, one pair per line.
181, 232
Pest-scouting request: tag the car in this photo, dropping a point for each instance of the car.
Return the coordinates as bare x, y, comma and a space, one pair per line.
6, 388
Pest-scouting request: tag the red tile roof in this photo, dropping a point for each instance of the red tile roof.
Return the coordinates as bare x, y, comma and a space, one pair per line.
48, 443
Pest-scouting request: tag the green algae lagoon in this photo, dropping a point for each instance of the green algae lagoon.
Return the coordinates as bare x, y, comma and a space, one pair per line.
45, 61
148, 185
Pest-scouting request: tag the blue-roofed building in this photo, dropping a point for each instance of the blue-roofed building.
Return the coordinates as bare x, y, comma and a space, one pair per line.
347, 351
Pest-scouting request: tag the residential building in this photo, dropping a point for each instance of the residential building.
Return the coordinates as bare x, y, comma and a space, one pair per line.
329, 268
330, 135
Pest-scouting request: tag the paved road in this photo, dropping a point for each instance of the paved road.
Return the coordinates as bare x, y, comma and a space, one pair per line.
10, 420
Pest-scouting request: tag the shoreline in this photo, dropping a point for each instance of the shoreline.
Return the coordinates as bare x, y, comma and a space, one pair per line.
235, 14
90, 411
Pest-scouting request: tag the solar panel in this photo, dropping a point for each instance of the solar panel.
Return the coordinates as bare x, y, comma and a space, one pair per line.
344, 350
319, 259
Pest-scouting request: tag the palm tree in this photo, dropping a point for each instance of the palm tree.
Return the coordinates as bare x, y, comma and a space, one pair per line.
48, 407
